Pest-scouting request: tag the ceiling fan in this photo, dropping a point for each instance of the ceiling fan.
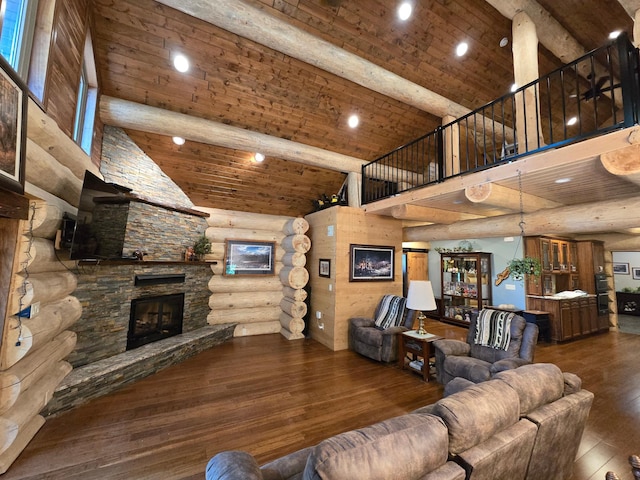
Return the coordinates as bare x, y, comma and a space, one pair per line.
597, 87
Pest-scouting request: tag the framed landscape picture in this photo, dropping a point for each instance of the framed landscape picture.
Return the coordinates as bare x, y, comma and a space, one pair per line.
248, 257
13, 102
620, 268
371, 263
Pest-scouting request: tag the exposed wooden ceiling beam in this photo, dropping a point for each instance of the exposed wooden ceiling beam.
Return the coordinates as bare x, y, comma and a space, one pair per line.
591, 217
624, 163
630, 6
507, 198
427, 214
125, 114
255, 24
551, 34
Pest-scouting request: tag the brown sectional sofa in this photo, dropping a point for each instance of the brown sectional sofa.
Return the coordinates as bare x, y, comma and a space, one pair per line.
524, 423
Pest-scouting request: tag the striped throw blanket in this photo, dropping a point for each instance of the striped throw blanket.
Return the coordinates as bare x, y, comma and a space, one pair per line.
390, 311
493, 329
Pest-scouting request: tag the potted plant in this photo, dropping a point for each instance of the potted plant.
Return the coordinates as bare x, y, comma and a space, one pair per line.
202, 247
519, 267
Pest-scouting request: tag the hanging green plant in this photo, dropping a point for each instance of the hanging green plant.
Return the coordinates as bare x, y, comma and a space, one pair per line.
519, 267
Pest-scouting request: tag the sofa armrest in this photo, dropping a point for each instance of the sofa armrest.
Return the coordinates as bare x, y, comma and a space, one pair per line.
448, 346
286, 467
507, 364
572, 383
362, 322
233, 465
394, 330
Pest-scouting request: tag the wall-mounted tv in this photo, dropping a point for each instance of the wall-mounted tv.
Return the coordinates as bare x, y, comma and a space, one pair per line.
101, 221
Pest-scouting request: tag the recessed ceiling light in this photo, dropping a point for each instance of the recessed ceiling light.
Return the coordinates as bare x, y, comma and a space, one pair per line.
181, 63
514, 87
504, 42
572, 121
259, 157
178, 140
462, 48
353, 121
563, 180
615, 34
404, 11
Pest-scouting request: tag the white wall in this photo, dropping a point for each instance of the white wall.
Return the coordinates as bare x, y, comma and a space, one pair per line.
627, 281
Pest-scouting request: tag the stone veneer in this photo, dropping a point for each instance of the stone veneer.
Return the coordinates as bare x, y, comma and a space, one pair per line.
105, 292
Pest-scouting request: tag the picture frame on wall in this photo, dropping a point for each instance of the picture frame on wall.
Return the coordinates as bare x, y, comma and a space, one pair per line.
620, 268
248, 257
371, 263
635, 272
13, 108
324, 267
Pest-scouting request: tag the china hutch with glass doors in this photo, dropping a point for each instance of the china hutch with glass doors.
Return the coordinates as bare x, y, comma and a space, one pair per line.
466, 285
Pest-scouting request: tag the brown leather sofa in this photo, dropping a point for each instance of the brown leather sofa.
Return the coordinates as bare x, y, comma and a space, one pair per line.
525, 423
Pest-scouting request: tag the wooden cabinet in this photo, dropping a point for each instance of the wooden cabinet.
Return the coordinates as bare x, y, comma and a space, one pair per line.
560, 265
571, 318
466, 285
591, 259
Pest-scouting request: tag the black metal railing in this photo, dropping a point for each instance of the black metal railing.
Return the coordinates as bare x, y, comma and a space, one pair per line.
593, 95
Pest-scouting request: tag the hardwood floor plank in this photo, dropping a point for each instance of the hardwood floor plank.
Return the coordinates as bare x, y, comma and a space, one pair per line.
270, 396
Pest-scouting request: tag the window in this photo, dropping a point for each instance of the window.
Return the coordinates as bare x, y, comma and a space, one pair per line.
86, 100
16, 39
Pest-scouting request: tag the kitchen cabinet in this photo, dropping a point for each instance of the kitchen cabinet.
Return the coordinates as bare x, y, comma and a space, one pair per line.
569, 318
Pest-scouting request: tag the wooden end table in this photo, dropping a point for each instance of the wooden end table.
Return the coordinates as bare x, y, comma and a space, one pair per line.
412, 347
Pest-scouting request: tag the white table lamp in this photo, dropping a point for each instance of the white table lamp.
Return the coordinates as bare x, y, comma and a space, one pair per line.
421, 299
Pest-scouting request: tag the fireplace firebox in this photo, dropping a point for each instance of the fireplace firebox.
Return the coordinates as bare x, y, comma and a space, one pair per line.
154, 318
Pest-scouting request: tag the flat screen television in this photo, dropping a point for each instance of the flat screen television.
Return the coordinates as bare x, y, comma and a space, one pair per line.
101, 221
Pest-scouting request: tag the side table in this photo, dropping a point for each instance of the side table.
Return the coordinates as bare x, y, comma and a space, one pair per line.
414, 348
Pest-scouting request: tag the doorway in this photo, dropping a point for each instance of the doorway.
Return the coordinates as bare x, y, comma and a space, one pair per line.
415, 266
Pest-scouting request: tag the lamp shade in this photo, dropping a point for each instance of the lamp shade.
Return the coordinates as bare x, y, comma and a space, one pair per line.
420, 296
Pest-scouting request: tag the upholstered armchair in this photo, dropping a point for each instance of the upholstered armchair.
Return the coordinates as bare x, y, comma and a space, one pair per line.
376, 337
496, 341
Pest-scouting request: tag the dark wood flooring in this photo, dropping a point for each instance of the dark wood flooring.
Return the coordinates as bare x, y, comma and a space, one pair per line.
271, 396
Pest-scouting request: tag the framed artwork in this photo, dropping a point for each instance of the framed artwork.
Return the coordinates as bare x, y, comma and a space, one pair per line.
371, 263
324, 267
620, 268
248, 257
13, 108
635, 272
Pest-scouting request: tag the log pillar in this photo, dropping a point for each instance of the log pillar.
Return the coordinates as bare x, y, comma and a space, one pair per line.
525, 70
451, 147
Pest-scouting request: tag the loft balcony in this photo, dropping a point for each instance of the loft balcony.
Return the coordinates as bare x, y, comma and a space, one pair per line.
512, 155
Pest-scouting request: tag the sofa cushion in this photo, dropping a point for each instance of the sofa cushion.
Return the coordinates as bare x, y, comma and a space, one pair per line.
478, 412
537, 384
473, 369
233, 465
401, 448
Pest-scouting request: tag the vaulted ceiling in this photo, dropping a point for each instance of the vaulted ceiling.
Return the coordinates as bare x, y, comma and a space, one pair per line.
238, 82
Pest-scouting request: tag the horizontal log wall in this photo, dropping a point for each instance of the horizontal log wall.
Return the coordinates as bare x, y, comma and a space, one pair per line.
259, 304
33, 350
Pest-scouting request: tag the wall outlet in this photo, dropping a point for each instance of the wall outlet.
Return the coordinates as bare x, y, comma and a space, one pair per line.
318, 315
331, 287
321, 326
509, 286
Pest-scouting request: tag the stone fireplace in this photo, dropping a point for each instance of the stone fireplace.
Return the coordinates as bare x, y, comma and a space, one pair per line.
154, 318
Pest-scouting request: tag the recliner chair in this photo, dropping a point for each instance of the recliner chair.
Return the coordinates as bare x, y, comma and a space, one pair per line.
377, 343
477, 362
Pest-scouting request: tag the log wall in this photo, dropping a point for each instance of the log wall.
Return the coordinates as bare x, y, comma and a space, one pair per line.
259, 304
33, 349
